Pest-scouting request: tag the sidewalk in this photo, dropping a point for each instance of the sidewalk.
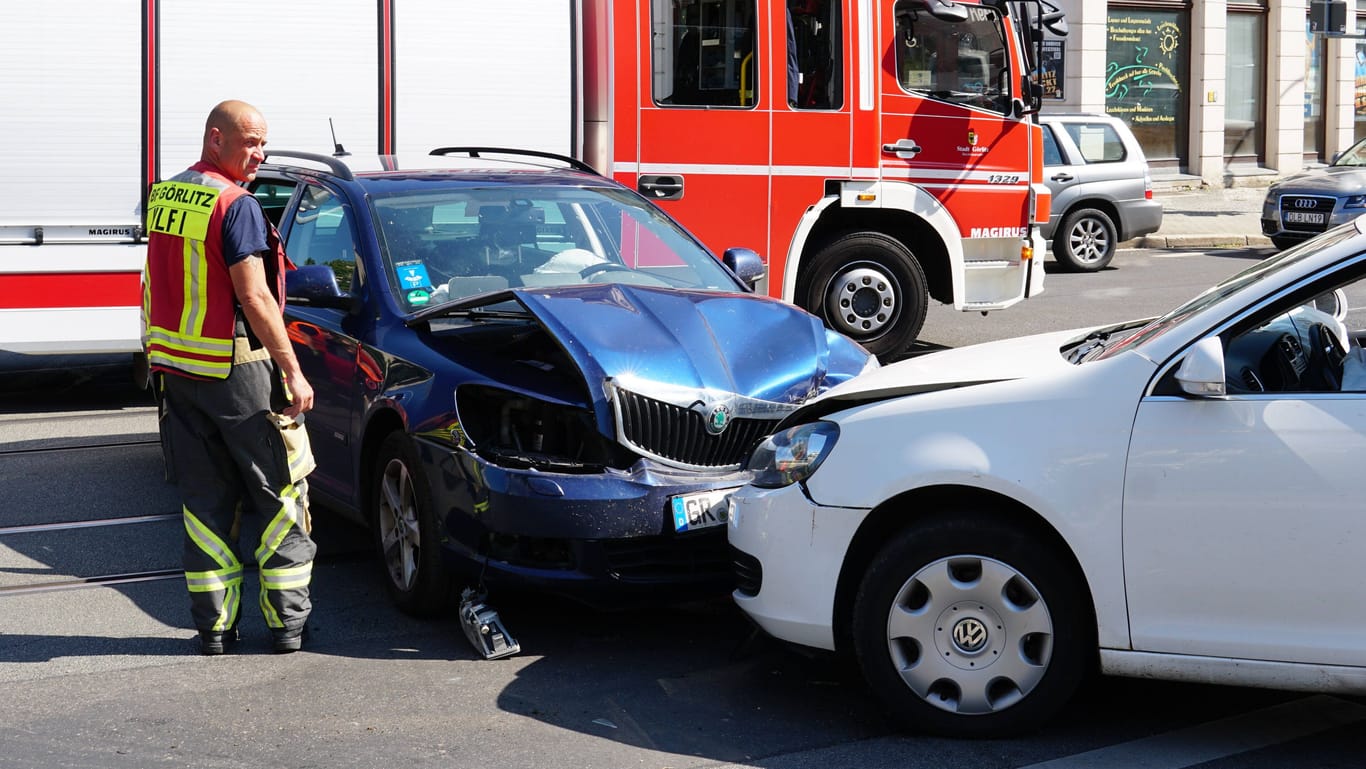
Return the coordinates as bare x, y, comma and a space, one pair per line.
1208, 217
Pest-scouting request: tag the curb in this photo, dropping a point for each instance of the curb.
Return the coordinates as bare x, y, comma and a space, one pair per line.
1228, 240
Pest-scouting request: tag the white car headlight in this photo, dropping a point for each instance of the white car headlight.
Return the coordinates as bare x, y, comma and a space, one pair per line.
792, 455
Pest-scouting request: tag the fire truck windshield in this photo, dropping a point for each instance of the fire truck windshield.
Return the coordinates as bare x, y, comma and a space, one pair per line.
963, 62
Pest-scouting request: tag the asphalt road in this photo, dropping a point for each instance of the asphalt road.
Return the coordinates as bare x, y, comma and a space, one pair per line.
105, 675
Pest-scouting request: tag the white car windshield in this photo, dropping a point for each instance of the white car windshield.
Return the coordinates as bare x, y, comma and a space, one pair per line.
1218, 292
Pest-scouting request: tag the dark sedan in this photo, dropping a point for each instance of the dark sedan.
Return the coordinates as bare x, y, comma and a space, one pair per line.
529, 376
1305, 204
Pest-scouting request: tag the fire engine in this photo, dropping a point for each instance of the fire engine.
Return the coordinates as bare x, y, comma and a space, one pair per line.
876, 153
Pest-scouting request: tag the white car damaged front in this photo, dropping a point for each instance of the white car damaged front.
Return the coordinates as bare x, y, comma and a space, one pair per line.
979, 527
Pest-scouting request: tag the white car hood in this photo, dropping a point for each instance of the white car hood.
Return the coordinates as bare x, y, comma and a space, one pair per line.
1017, 358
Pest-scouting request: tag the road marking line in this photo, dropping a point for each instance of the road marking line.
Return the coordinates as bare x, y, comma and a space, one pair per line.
1219, 739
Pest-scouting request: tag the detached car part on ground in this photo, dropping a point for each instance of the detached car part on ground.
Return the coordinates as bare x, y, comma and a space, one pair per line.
1174, 498
527, 376
1305, 204
1101, 187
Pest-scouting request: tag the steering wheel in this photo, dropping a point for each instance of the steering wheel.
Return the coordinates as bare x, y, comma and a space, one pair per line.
1326, 355
594, 269
1292, 363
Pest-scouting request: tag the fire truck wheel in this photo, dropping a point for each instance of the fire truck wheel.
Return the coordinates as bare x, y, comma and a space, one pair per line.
405, 529
142, 371
869, 287
1085, 242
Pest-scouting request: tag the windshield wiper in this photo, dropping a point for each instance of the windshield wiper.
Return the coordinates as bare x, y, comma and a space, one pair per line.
481, 313
953, 94
1094, 341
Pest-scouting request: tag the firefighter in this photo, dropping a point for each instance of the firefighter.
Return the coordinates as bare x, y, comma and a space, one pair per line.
232, 393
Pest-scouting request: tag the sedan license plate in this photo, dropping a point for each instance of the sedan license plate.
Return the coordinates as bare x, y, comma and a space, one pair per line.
699, 510
1305, 217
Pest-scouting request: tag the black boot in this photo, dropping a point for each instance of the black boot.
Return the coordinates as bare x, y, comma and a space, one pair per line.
213, 642
289, 639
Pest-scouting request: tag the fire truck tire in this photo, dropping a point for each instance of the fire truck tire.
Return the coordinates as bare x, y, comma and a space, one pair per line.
869, 287
1086, 241
142, 372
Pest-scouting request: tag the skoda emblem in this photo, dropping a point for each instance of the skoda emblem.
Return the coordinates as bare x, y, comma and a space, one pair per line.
970, 635
718, 418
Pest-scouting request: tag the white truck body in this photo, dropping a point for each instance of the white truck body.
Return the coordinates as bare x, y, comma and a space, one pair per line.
86, 129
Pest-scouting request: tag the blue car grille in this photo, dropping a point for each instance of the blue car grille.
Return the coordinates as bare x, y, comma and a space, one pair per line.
695, 557
680, 435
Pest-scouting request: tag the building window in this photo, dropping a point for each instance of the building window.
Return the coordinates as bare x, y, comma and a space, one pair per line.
1360, 92
1145, 78
1245, 84
1315, 87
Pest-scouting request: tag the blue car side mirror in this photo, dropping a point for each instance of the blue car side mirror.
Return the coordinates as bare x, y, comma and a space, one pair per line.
315, 285
745, 264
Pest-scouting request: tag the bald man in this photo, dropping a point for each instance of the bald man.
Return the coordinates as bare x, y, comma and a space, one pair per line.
232, 391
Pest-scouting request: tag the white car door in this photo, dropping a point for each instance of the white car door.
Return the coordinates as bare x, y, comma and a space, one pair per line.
1245, 527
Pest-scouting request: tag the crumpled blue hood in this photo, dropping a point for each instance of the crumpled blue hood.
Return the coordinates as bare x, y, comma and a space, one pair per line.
735, 343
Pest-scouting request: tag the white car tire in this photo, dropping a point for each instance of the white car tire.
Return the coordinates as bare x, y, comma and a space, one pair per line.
969, 626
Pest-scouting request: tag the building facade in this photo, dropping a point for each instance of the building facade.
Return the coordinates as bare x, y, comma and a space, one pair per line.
1214, 89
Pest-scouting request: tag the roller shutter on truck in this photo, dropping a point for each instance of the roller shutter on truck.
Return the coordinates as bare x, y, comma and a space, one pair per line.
300, 62
70, 163
105, 96
490, 74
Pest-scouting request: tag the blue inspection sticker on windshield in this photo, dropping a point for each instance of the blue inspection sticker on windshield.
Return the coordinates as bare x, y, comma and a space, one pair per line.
412, 275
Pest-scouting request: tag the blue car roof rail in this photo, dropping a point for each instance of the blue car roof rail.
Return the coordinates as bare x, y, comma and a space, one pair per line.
475, 152
336, 166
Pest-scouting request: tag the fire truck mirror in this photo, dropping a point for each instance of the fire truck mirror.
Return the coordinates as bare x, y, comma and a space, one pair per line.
947, 10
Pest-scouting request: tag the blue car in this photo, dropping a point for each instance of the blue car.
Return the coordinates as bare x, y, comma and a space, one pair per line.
529, 377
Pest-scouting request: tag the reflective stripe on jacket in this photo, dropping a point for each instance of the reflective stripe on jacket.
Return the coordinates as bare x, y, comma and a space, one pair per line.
190, 307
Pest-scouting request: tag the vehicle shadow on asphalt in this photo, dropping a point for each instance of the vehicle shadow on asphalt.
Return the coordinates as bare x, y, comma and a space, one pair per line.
69, 383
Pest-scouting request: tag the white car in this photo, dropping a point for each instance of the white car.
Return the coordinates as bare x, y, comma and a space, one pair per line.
1177, 498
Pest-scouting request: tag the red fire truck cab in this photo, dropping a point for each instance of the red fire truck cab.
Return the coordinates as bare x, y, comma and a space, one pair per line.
877, 153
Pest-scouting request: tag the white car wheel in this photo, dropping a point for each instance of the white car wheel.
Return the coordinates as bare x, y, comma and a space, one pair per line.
969, 627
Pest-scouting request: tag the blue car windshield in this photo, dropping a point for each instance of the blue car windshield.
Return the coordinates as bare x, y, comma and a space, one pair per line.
1228, 287
446, 243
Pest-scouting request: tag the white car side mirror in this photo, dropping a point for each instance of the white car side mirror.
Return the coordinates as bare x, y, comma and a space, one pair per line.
1334, 303
1202, 371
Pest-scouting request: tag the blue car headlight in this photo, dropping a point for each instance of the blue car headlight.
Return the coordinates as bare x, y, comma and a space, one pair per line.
792, 455
1354, 201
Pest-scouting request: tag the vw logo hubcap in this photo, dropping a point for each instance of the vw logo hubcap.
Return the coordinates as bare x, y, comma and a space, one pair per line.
970, 635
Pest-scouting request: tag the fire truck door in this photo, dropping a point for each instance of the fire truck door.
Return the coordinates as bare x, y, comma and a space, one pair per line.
947, 125
703, 143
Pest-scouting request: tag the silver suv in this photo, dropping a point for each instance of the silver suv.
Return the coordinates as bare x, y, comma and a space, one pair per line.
1102, 191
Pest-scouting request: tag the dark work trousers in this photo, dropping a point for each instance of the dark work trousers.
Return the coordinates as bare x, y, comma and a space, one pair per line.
227, 457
